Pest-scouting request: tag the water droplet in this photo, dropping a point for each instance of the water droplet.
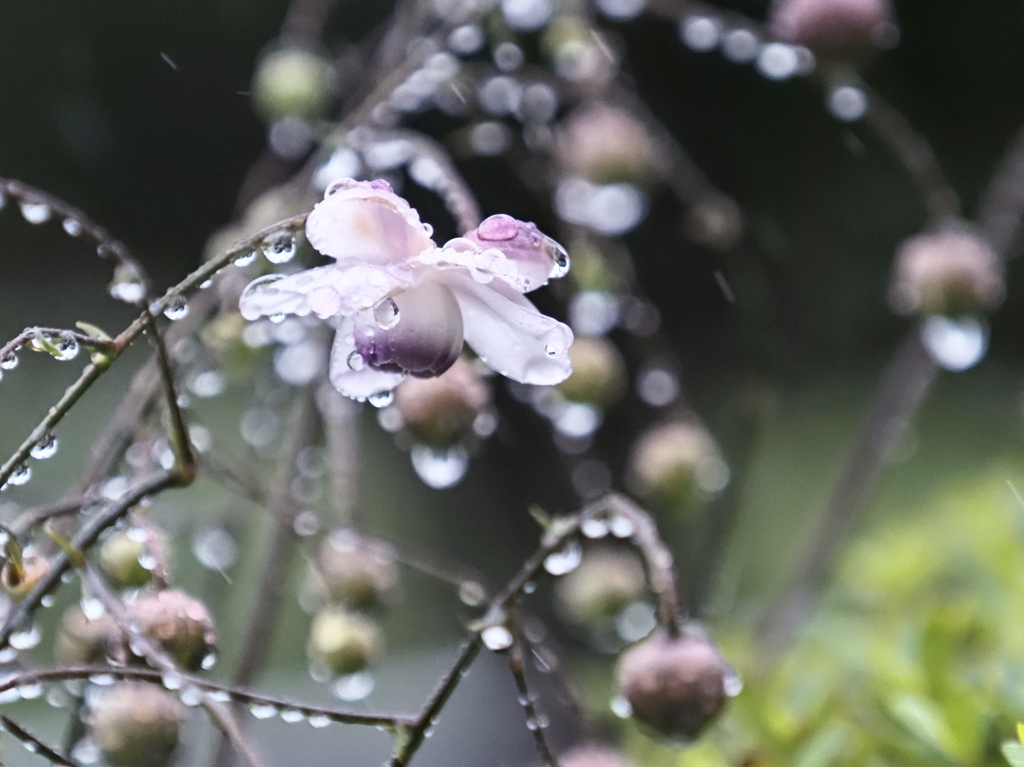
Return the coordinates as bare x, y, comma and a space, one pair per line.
171, 680
279, 248
292, 715
21, 475
127, 286
67, 347
386, 313
847, 103
86, 752
354, 687
191, 696
381, 398
176, 309
45, 448
209, 661
356, 361
219, 696
621, 527
565, 560
955, 344
319, 721
636, 621
700, 33
472, 593
30, 691
245, 259
440, 469
35, 212
9, 361
102, 680
263, 710
594, 528
92, 608
621, 708
529, 587
496, 638
560, 267
733, 684
8, 654
30, 746
47, 601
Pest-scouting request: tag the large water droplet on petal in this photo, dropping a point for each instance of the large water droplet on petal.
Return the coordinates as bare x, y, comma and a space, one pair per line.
356, 361
955, 344
386, 313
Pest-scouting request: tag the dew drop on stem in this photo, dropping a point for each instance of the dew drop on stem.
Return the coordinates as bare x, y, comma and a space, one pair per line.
279, 248
45, 448
35, 212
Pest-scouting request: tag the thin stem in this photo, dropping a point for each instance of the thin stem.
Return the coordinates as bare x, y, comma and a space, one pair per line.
29, 334
34, 744
1002, 205
536, 723
181, 445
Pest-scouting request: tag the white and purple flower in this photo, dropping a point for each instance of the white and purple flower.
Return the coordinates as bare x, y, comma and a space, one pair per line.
405, 306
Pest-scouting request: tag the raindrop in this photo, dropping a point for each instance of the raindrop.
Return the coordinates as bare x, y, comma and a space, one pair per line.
621, 10
292, 715
356, 361
565, 560
209, 661
45, 448
560, 267
740, 46
847, 103
47, 601
620, 707
86, 752
219, 696
594, 528
21, 475
9, 361
8, 654
35, 212
437, 468
279, 248
263, 710
171, 680
635, 622
386, 313
621, 527
319, 720
92, 608
102, 680
778, 61
245, 259
176, 309
127, 285
733, 684
67, 347
72, 226
257, 286
577, 420
381, 398
472, 593
526, 15
954, 344
191, 696
216, 549
354, 687
30, 746
700, 33
496, 638
30, 691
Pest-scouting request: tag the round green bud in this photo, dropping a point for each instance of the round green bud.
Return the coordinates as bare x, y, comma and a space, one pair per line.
291, 82
357, 573
136, 725
122, 557
677, 464
440, 411
598, 372
342, 641
81, 640
607, 580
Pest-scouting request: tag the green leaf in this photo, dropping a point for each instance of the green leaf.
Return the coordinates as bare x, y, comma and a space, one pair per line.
93, 331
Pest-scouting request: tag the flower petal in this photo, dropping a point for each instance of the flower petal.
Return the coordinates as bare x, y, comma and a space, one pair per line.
536, 257
509, 333
350, 374
327, 291
367, 222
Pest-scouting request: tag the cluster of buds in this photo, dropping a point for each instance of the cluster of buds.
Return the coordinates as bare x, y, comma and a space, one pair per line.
353, 578
838, 29
178, 623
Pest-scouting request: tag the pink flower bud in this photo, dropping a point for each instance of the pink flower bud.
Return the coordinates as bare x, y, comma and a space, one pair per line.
844, 29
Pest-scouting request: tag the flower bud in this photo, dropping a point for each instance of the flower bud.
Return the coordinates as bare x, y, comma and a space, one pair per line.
19, 581
440, 411
291, 82
124, 555
593, 755
841, 29
180, 624
677, 464
357, 573
598, 372
952, 272
674, 685
136, 725
343, 642
81, 641
607, 145
607, 580
716, 222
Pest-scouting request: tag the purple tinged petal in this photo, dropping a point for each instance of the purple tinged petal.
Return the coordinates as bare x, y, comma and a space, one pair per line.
417, 331
350, 375
536, 256
509, 333
371, 224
